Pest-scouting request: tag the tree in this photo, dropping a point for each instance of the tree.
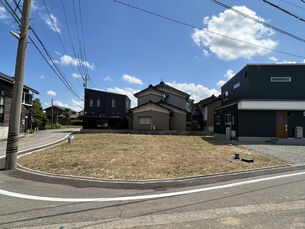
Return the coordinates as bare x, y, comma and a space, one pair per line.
67, 114
39, 119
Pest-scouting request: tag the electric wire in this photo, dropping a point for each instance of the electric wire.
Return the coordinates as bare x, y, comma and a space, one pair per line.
258, 21
285, 11
206, 30
60, 75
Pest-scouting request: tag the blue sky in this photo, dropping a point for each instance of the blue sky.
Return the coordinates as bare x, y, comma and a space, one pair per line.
127, 49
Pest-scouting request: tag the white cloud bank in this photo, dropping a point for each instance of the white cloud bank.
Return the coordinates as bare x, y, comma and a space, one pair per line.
52, 22
108, 78
51, 93
68, 60
233, 25
228, 75
126, 91
132, 79
197, 91
3, 14
75, 75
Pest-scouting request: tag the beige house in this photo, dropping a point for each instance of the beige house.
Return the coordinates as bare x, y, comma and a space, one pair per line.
160, 107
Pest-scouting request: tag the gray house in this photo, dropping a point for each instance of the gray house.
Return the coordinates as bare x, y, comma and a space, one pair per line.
160, 107
6, 93
263, 100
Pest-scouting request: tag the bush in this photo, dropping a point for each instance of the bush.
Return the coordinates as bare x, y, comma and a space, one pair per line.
31, 131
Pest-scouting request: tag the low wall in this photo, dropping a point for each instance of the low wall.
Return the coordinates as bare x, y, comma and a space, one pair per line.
151, 132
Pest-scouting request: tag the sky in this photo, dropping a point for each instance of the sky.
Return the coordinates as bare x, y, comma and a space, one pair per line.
127, 49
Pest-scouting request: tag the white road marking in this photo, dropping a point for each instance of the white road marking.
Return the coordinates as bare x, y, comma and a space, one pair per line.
153, 196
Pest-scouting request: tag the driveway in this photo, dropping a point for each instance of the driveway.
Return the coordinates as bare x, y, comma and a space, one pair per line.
38, 139
290, 150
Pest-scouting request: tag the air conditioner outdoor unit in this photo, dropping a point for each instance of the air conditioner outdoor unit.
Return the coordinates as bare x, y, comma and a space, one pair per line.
299, 132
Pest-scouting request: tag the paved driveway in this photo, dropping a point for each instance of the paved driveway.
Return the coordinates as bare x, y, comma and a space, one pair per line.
291, 150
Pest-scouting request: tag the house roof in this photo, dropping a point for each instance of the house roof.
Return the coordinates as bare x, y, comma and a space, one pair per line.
60, 108
150, 87
11, 80
208, 100
157, 104
164, 104
162, 84
98, 90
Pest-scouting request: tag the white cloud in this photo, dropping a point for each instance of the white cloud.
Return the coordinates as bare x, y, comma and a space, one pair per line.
52, 22
220, 83
229, 74
132, 79
68, 60
233, 25
74, 105
51, 93
34, 6
286, 62
197, 92
3, 14
205, 52
108, 78
57, 53
126, 91
273, 58
42, 77
75, 75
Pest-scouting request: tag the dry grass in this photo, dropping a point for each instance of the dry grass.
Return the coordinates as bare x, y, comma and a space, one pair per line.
137, 157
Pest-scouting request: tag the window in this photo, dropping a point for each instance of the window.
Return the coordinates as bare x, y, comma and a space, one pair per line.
280, 79
236, 85
98, 103
113, 103
228, 118
245, 74
217, 120
144, 120
2, 96
27, 98
233, 120
91, 102
127, 105
225, 95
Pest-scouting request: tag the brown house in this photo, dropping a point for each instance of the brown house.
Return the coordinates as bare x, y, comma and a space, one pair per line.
203, 115
6, 92
160, 107
59, 114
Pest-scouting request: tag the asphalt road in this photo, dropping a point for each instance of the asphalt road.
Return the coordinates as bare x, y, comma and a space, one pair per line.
274, 201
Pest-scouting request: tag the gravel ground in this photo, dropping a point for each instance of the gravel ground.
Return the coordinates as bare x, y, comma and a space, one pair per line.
290, 150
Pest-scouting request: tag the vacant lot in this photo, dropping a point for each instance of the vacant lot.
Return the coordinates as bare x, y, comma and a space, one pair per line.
138, 157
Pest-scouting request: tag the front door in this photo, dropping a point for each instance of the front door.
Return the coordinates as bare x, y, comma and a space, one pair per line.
281, 124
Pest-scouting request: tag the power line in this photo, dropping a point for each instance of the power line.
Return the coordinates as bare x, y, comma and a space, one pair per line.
258, 21
285, 11
303, 1
289, 3
205, 30
59, 73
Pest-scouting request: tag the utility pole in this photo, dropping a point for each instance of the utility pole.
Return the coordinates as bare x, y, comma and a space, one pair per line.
52, 112
14, 124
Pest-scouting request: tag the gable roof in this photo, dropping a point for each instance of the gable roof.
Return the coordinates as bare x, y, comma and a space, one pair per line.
150, 87
162, 84
165, 104
208, 100
11, 80
151, 102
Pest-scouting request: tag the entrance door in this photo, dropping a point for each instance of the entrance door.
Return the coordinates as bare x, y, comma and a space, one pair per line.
281, 124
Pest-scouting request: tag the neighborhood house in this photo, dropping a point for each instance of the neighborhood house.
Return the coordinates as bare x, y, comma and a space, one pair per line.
59, 114
263, 100
6, 91
105, 110
160, 107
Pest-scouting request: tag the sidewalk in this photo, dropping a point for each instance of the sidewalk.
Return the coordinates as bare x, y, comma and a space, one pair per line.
38, 139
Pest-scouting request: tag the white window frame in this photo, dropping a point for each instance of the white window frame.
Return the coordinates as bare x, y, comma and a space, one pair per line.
237, 85
228, 115
226, 95
113, 102
280, 79
91, 103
